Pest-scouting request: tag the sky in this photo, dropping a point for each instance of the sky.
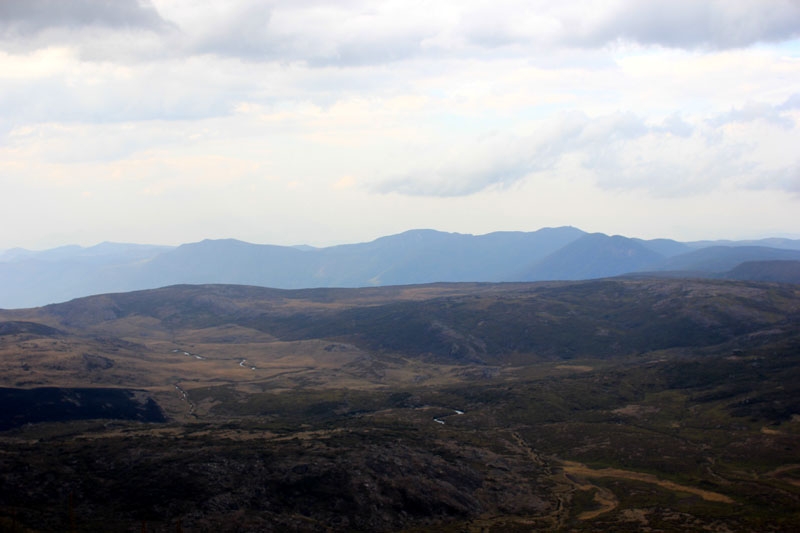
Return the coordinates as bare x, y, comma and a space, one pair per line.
321, 123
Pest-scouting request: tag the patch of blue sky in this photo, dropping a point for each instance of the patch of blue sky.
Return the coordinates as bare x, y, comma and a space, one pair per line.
790, 48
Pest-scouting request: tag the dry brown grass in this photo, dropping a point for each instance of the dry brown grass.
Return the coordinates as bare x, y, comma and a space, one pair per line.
578, 469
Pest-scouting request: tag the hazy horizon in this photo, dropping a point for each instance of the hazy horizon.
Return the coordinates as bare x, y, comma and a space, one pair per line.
290, 123
328, 245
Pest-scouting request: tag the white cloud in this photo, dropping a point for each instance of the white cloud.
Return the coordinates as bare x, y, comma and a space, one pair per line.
392, 114
620, 151
349, 33
751, 111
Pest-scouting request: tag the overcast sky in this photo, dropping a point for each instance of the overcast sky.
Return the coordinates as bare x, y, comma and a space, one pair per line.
303, 121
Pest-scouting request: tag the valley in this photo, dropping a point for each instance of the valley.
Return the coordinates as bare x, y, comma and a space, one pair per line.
615, 404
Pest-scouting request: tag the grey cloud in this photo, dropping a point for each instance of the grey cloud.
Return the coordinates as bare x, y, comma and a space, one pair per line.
244, 32
304, 32
25, 17
123, 31
715, 24
351, 34
317, 33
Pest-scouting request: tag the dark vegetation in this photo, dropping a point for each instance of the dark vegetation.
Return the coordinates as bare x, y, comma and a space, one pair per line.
50, 404
615, 405
15, 327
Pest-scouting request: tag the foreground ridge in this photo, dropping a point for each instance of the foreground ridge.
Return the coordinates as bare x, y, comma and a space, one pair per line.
616, 404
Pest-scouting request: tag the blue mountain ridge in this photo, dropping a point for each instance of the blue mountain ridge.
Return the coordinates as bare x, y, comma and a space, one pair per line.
34, 278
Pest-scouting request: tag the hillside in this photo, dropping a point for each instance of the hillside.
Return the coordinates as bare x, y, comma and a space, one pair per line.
724, 258
595, 256
775, 271
569, 406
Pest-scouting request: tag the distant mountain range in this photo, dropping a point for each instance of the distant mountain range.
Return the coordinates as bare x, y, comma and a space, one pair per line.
34, 278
